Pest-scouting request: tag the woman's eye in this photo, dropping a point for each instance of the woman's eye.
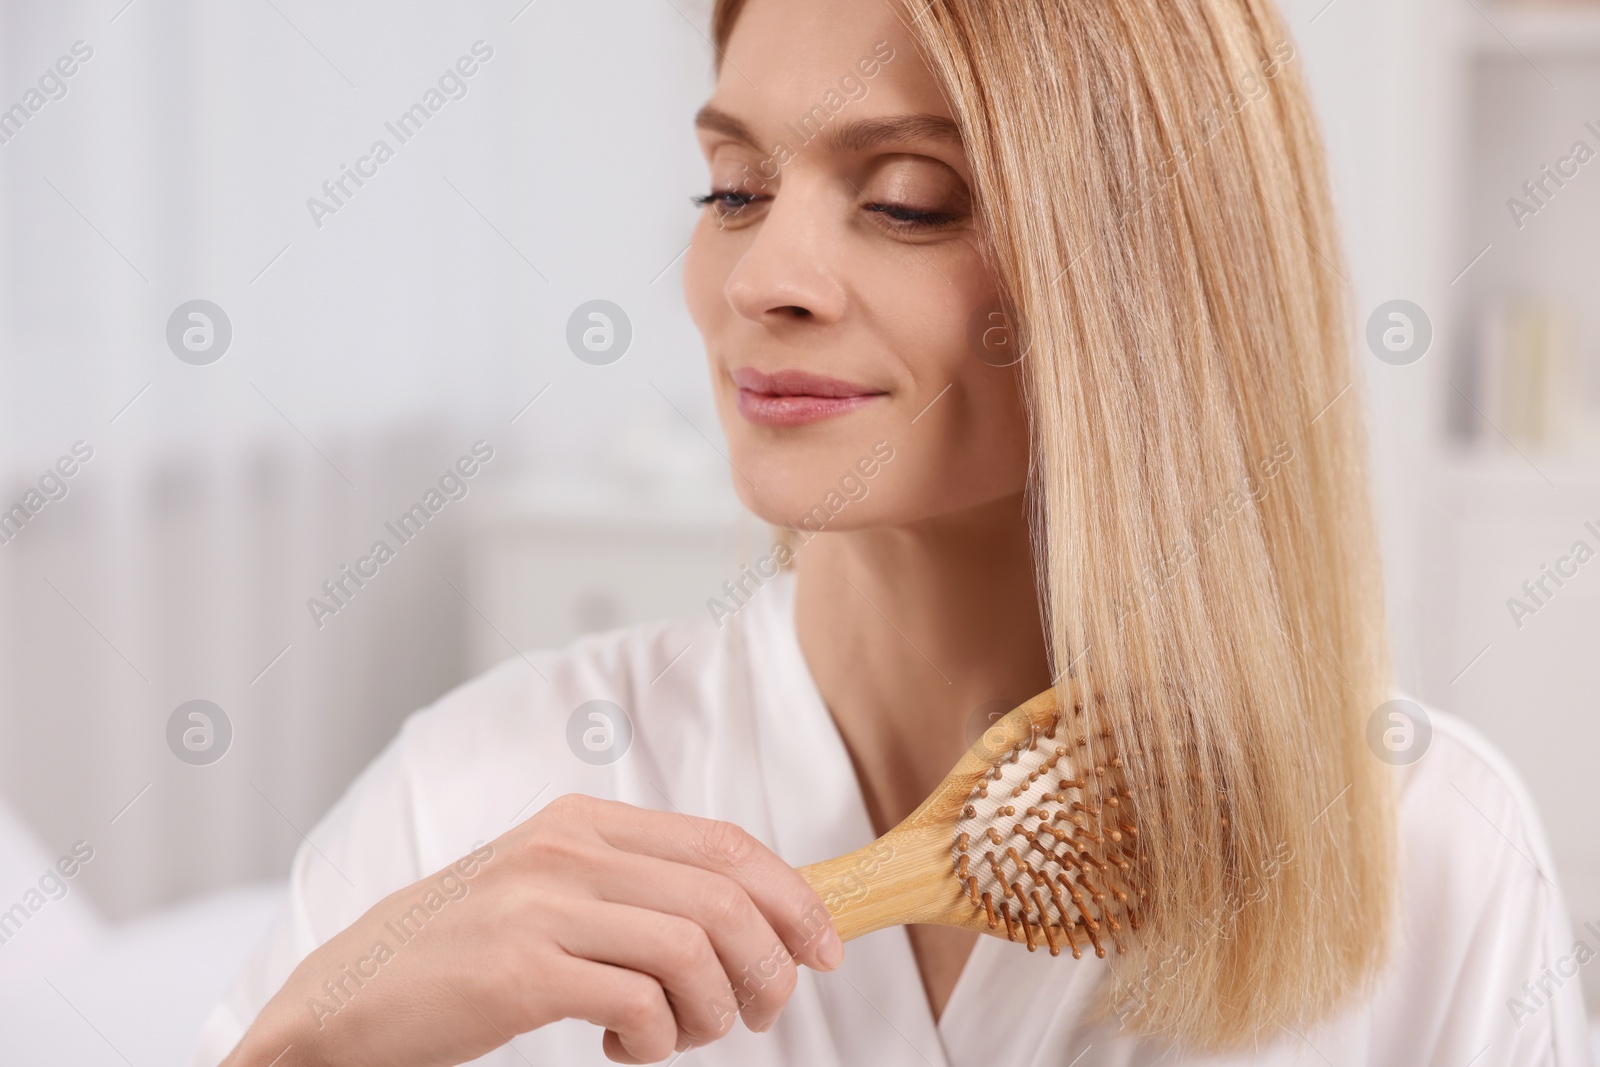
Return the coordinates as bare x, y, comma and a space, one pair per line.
903, 217
726, 203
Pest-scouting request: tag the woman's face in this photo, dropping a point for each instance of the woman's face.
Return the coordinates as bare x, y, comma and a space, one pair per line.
837, 279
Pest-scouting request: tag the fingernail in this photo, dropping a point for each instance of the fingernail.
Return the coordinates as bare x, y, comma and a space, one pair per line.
830, 950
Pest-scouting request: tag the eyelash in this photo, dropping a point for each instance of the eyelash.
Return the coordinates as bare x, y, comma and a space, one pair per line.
721, 200
729, 204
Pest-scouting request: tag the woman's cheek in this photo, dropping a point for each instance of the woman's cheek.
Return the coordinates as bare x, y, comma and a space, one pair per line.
700, 285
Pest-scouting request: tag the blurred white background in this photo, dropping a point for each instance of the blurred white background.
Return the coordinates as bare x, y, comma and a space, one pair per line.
372, 347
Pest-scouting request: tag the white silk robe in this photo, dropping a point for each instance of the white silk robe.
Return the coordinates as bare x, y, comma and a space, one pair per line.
727, 723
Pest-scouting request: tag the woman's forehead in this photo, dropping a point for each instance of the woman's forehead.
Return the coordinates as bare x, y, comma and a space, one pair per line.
783, 57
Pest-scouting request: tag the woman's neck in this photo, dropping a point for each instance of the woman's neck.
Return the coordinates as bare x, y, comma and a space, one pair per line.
913, 634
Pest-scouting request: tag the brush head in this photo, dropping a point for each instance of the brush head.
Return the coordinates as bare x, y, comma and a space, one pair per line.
1046, 842
1031, 837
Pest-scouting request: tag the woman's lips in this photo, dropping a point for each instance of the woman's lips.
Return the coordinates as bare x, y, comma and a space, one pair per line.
793, 398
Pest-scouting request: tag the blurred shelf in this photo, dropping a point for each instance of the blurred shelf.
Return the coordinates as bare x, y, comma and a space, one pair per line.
1531, 30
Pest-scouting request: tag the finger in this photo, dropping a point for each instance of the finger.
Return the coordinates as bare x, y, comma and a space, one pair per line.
791, 906
632, 1007
754, 960
673, 950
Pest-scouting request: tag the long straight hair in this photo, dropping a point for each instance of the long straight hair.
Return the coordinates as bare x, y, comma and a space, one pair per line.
1151, 185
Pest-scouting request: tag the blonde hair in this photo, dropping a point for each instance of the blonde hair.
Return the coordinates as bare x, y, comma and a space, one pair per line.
1151, 185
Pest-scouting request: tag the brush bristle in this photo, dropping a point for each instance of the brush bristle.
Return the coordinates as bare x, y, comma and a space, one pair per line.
1040, 852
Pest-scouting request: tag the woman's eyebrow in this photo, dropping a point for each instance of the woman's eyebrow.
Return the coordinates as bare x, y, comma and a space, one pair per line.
864, 134
716, 120
855, 136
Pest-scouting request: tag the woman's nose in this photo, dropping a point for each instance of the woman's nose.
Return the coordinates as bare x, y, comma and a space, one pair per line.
790, 269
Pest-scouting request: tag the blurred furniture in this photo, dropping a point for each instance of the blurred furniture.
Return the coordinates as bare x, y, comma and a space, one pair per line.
560, 560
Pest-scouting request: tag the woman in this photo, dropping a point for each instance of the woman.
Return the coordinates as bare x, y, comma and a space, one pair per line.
1024, 320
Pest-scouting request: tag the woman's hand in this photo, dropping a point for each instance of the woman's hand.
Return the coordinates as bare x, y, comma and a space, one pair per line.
659, 927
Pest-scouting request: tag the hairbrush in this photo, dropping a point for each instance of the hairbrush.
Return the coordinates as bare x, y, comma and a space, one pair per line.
1027, 838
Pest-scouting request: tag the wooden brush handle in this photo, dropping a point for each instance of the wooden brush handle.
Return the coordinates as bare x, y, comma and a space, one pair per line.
852, 889
903, 877
908, 874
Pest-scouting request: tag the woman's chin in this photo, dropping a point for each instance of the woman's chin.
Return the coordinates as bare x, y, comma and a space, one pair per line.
778, 504
784, 496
